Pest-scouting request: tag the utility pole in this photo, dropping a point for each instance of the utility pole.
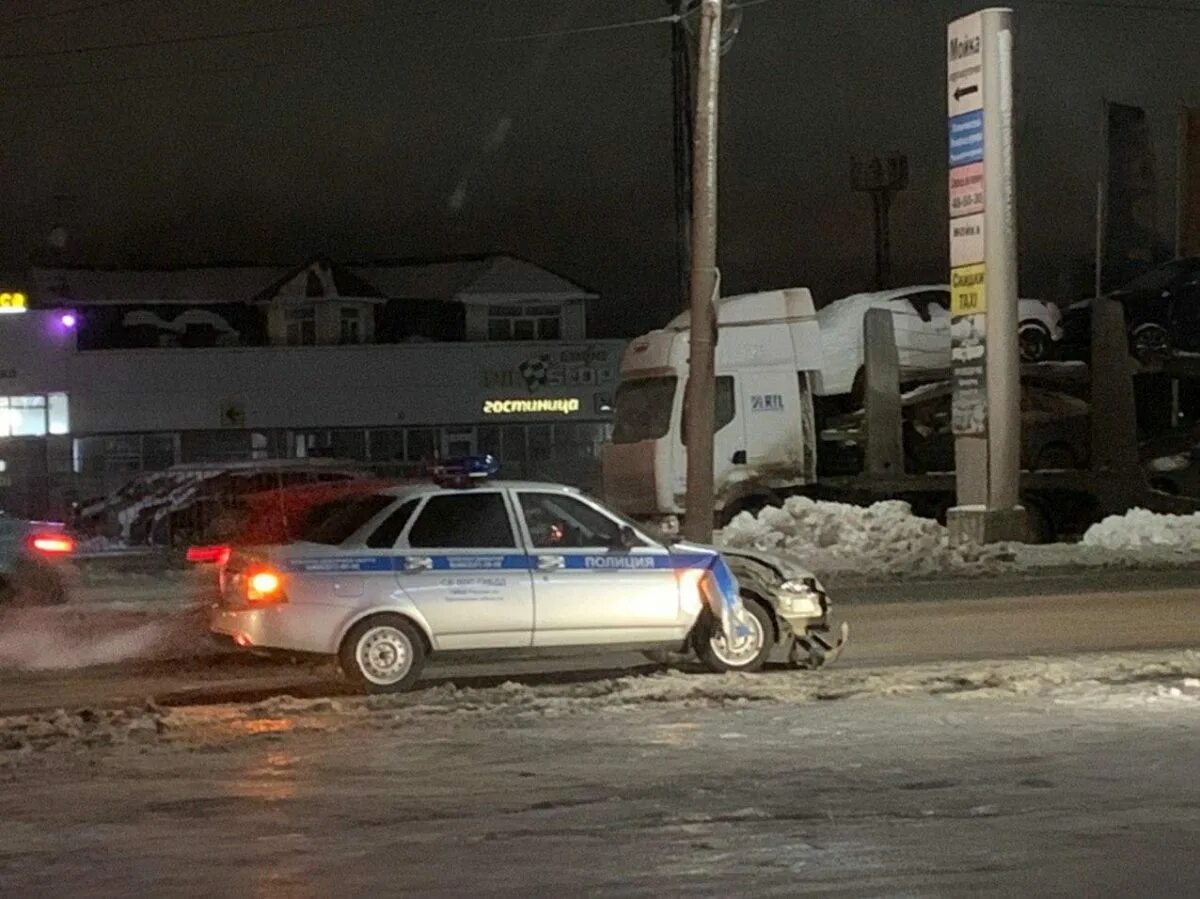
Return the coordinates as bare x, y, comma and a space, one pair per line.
698, 522
881, 177
681, 113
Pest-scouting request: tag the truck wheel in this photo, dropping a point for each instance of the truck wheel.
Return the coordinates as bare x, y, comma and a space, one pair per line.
1150, 343
1035, 341
750, 654
383, 654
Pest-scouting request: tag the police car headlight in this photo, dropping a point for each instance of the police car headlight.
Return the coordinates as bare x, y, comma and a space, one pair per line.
800, 597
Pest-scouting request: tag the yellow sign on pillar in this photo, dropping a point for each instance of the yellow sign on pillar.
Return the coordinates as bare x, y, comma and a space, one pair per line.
968, 290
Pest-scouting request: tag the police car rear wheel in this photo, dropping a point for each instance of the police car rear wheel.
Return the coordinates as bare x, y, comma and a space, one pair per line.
748, 654
384, 654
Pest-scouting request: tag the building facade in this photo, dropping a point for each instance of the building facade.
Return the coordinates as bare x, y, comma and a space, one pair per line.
393, 365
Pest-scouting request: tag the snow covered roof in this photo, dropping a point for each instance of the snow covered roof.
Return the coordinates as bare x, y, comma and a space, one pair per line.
200, 285
479, 279
319, 279
472, 279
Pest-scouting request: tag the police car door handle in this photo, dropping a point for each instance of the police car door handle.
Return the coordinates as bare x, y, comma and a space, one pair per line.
418, 563
550, 563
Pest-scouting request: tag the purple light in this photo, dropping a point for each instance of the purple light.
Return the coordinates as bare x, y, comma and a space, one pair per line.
68, 320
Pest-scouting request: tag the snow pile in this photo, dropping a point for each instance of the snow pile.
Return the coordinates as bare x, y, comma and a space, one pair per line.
884, 539
82, 729
1139, 528
1144, 678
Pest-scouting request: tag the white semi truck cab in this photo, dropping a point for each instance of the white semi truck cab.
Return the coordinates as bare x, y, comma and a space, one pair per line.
768, 348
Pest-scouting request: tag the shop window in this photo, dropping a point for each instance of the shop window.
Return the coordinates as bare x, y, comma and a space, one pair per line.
387, 445
23, 416
422, 444
60, 418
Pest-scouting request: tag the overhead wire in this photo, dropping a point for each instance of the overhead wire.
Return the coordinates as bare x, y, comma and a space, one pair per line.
180, 40
291, 62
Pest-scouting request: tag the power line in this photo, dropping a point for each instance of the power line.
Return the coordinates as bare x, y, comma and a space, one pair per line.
1136, 6
195, 38
69, 11
499, 39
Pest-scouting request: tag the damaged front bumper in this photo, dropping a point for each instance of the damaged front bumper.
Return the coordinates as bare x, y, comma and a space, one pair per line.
808, 636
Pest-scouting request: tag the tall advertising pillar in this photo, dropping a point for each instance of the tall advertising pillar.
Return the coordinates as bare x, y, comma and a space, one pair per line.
985, 356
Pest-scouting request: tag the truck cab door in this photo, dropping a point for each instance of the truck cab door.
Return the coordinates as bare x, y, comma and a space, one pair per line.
730, 453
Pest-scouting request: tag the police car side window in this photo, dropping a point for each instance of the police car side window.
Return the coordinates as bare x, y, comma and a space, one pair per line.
477, 520
557, 521
388, 532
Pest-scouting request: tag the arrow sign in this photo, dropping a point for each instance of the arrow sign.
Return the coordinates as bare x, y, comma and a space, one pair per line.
964, 66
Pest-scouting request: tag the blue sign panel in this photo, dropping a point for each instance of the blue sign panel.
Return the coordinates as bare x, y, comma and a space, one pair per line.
966, 138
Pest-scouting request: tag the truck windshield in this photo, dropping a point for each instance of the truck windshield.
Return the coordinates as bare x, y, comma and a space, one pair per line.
644, 409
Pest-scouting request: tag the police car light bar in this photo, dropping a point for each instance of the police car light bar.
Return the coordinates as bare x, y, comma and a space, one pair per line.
465, 469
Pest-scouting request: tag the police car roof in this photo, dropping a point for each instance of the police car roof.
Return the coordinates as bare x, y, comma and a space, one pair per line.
479, 484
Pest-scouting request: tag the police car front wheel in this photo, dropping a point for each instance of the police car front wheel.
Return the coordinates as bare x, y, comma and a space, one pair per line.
383, 654
749, 653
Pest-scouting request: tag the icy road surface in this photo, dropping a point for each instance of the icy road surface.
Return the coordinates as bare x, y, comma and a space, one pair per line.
1051, 777
106, 653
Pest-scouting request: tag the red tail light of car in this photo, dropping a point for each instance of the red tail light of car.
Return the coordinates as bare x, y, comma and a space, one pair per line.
209, 555
52, 544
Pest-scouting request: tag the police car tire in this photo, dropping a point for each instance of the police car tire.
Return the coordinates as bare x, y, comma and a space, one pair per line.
348, 653
709, 624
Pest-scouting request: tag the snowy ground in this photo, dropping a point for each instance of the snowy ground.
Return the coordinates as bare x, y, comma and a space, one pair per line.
1138, 679
1054, 777
846, 543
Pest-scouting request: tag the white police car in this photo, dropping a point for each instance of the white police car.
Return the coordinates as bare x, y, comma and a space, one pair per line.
383, 580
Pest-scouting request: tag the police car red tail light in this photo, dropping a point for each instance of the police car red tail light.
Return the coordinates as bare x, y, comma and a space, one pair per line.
264, 585
209, 555
52, 544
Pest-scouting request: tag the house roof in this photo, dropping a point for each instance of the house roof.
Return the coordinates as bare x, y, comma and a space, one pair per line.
468, 279
333, 280
194, 286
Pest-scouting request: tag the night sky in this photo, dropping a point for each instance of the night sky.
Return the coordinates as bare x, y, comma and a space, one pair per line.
418, 129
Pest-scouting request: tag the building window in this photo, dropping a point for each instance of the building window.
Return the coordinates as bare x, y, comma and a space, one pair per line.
60, 417
301, 326
542, 322
34, 416
351, 325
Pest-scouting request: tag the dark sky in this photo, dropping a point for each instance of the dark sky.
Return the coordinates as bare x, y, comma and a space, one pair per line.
420, 133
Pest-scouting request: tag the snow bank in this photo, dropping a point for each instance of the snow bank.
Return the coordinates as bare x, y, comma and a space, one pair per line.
884, 539
1139, 528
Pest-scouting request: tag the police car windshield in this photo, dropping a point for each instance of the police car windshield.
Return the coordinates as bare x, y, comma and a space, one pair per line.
332, 523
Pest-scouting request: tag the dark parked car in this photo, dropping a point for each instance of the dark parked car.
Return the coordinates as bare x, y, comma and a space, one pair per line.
1162, 313
32, 557
1054, 432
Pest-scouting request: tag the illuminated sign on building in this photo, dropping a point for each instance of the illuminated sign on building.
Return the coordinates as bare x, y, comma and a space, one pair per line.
12, 302
563, 405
